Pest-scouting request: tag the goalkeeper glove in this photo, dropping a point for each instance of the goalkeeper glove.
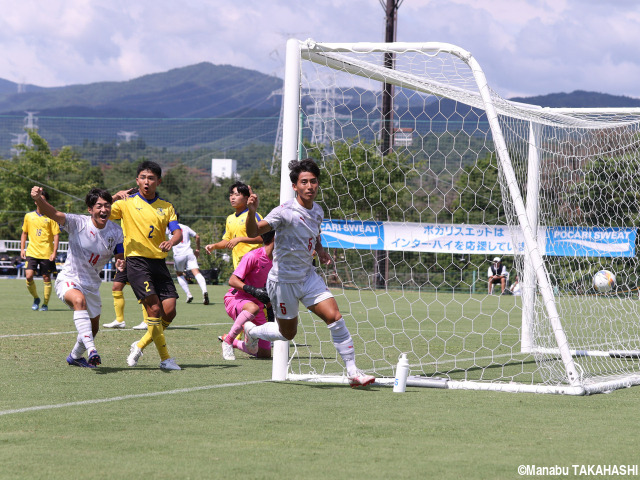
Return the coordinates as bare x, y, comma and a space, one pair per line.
259, 293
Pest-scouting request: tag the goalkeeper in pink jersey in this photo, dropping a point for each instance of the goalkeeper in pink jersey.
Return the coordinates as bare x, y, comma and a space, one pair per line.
247, 298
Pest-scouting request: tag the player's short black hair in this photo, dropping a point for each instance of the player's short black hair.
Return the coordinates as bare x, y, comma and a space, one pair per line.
96, 193
296, 167
243, 189
151, 166
45, 194
267, 238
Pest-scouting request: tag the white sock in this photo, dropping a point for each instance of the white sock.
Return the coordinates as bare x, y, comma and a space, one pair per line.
344, 344
202, 283
185, 286
83, 325
78, 348
269, 331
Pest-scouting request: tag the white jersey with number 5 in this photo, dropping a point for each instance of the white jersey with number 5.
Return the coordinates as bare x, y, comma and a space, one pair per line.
90, 248
296, 232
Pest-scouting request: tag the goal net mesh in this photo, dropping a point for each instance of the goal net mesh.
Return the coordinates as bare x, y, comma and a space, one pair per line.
430, 175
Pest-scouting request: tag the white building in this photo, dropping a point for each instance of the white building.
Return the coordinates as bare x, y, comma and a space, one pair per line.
222, 168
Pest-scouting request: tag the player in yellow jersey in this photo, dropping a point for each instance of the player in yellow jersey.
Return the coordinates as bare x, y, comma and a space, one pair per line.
44, 235
235, 235
144, 219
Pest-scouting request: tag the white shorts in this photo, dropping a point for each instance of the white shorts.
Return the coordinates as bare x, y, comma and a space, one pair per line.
188, 262
92, 298
285, 297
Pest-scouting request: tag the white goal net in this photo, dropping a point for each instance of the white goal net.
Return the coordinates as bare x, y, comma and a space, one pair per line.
424, 185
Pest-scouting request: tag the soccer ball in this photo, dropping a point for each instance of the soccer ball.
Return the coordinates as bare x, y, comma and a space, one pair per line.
604, 281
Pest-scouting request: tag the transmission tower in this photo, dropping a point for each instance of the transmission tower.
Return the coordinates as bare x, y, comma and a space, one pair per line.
321, 119
128, 136
30, 123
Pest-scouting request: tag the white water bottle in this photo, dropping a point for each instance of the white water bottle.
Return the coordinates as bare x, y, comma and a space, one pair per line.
402, 372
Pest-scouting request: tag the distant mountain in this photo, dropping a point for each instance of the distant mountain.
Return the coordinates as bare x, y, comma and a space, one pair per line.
580, 99
197, 91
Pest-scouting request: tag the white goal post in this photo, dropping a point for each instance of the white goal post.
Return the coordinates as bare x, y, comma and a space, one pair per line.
469, 176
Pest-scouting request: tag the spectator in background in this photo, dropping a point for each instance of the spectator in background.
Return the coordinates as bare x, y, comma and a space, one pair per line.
497, 273
515, 287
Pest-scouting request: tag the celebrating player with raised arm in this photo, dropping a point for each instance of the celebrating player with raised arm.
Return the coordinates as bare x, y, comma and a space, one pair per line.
293, 278
145, 218
93, 240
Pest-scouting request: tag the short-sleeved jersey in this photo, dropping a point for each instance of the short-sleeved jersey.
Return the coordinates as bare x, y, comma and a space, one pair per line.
184, 247
236, 227
90, 248
144, 223
41, 231
253, 270
297, 229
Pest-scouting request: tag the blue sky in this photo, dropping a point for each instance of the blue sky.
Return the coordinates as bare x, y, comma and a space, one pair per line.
526, 47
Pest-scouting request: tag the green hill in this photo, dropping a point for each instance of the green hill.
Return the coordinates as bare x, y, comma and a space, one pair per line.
197, 91
580, 99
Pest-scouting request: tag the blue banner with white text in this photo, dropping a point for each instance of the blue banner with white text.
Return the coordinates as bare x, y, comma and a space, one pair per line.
477, 239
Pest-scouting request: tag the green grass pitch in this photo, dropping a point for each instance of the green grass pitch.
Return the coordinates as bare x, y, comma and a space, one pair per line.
218, 419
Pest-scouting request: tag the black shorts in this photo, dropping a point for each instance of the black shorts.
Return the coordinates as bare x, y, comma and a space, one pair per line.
121, 276
150, 276
497, 280
47, 267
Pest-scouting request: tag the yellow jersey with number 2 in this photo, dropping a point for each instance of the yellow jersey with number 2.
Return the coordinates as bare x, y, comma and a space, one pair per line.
144, 223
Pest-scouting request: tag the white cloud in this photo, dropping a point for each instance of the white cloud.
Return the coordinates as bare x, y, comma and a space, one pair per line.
526, 47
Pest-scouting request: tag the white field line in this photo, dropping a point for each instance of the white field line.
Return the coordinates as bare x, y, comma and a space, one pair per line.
105, 330
129, 397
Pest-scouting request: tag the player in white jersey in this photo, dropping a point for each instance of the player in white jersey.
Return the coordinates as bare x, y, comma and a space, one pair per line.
185, 258
93, 240
293, 278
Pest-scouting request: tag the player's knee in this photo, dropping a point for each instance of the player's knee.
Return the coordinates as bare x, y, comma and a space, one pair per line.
289, 332
251, 307
169, 315
78, 305
154, 311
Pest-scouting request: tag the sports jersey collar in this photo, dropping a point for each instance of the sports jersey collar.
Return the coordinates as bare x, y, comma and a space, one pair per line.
148, 201
242, 212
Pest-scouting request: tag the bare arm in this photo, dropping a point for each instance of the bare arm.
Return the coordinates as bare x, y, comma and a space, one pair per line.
176, 238
323, 256
56, 242
23, 243
216, 246
255, 228
235, 282
47, 210
197, 250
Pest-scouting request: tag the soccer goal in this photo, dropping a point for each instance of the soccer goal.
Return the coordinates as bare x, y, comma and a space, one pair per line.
427, 175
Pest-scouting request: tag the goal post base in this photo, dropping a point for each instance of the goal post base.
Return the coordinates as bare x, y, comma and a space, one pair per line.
512, 387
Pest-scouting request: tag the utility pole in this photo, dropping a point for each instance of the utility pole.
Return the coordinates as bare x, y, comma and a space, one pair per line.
391, 21
386, 125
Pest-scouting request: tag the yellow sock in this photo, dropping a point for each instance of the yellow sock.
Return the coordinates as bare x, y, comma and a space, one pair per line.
156, 331
118, 305
31, 286
47, 292
147, 338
